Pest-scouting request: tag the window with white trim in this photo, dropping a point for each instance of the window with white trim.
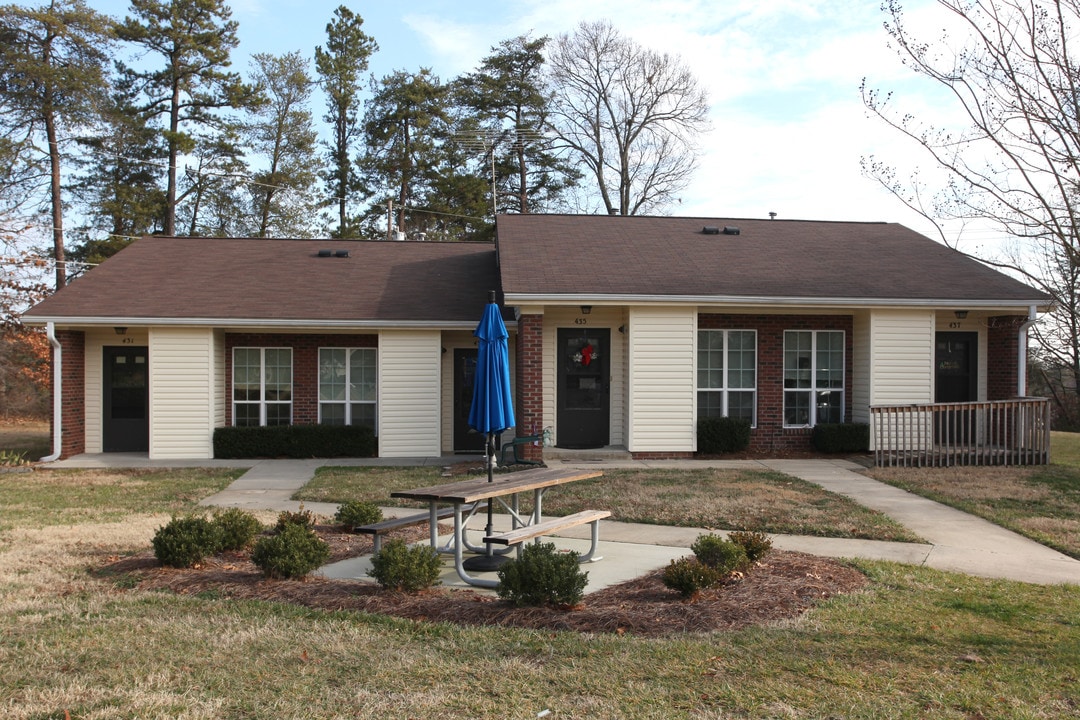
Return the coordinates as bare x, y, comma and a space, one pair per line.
727, 374
813, 377
347, 386
262, 386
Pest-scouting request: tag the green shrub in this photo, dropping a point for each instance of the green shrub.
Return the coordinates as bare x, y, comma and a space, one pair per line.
718, 435
719, 554
303, 518
354, 513
295, 441
756, 545
841, 437
542, 576
292, 553
688, 575
237, 528
184, 542
399, 566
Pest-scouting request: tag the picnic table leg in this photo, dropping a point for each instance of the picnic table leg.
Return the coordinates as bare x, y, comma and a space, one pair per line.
433, 522
588, 557
459, 541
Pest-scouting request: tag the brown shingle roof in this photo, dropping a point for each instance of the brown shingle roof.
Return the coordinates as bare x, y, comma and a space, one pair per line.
596, 255
283, 280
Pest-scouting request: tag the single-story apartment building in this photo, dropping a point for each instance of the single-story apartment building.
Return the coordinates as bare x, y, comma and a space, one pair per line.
624, 331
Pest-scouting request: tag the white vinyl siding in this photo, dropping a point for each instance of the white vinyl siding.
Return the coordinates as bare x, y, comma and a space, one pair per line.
860, 368
662, 387
409, 393
902, 357
221, 400
902, 365
182, 372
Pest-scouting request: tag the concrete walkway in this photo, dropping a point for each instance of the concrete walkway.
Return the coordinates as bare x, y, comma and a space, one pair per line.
955, 541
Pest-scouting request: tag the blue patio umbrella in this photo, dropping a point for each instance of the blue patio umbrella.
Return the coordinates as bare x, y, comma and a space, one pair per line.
492, 409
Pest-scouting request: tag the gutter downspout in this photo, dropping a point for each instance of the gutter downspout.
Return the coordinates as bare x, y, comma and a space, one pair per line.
58, 386
1021, 367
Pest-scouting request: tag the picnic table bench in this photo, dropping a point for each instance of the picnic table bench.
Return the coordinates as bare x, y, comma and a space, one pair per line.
384, 527
464, 495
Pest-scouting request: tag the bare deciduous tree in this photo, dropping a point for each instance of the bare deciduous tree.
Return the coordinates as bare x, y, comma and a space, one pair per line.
628, 114
1013, 164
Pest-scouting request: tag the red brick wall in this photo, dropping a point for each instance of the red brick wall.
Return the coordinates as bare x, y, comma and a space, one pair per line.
1002, 356
529, 380
73, 393
770, 434
305, 409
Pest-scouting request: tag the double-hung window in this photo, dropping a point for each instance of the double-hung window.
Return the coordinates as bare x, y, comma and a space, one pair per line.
347, 386
262, 386
727, 374
813, 377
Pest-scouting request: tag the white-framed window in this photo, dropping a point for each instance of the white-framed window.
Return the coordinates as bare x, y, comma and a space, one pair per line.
727, 374
347, 386
262, 386
813, 377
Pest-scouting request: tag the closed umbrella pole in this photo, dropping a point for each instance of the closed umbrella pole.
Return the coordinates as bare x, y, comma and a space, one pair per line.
492, 409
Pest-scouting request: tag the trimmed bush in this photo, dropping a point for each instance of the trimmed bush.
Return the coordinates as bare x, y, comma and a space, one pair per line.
184, 542
721, 555
358, 512
542, 576
303, 518
756, 544
718, 435
841, 437
295, 441
237, 528
399, 566
688, 576
292, 553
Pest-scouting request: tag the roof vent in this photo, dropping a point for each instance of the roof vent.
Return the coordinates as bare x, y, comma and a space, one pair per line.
731, 230
326, 253
341, 253
710, 230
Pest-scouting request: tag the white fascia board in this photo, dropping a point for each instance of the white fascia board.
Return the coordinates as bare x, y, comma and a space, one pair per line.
762, 301
247, 323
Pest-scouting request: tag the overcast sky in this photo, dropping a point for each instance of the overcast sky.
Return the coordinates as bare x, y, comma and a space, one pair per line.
783, 78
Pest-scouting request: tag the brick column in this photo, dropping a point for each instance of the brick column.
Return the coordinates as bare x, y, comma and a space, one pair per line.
529, 380
73, 393
1002, 356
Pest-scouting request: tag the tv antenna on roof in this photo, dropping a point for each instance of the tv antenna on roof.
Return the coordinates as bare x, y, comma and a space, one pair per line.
485, 140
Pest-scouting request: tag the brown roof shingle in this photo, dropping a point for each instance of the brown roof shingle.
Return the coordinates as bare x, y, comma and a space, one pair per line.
595, 255
283, 280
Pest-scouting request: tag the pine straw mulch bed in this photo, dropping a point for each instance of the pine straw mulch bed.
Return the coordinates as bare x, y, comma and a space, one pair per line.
781, 586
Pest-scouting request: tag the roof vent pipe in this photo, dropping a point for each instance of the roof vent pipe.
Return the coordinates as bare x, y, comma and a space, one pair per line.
710, 230
731, 230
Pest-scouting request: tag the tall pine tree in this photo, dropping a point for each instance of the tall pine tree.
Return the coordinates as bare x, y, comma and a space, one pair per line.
194, 39
340, 67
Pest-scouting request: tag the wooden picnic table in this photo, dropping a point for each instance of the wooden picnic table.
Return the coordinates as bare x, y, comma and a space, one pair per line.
475, 491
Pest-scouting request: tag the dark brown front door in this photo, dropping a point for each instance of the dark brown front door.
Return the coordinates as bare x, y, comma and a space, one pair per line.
956, 380
584, 406
466, 440
956, 367
125, 407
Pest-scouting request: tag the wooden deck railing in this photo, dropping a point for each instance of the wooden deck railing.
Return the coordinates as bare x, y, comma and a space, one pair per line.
1001, 432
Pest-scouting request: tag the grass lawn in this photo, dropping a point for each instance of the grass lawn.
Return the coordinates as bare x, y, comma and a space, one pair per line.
917, 644
1041, 502
23, 440
707, 498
